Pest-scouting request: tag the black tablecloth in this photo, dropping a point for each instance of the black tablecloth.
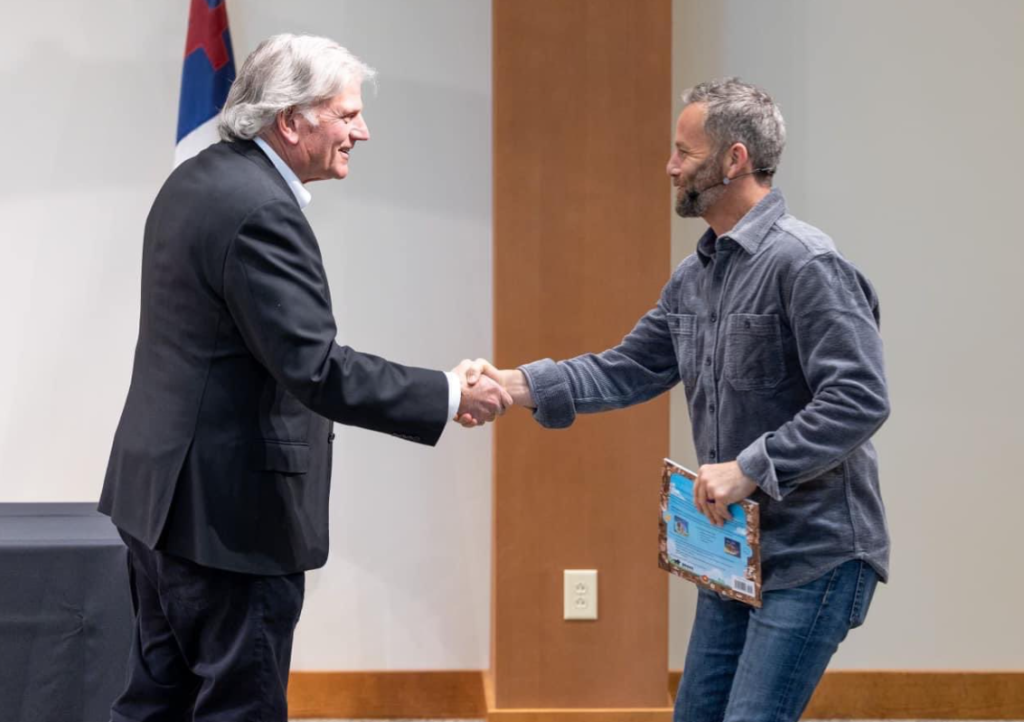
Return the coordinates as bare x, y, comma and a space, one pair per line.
65, 613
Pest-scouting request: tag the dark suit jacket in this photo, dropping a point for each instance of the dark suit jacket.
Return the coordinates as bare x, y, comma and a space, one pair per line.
223, 451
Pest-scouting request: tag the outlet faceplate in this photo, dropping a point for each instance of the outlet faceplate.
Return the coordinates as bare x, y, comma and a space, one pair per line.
580, 597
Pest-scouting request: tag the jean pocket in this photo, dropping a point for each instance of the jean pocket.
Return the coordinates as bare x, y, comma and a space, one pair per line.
753, 351
684, 338
867, 580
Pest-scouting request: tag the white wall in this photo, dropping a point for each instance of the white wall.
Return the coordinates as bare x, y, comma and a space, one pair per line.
90, 94
904, 121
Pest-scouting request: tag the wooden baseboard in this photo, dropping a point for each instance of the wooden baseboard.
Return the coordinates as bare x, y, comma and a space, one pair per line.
885, 694
427, 695
580, 715
879, 694
386, 695
899, 694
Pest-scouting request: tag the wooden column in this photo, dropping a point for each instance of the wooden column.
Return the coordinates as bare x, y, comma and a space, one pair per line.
582, 132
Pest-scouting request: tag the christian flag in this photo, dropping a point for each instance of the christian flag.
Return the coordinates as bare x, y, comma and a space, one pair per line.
207, 76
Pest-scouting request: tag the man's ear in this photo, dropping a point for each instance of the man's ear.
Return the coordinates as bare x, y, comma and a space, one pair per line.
736, 160
286, 123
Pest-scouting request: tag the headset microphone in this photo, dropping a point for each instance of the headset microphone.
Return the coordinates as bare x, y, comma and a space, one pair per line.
693, 195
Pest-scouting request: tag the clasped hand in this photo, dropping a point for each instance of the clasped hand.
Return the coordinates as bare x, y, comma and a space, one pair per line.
483, 398
487, 392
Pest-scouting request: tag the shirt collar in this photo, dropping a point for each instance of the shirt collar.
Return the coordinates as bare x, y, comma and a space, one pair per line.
302, 196
752, 229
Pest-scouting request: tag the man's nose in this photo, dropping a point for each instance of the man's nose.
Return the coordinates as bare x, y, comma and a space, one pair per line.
362, 130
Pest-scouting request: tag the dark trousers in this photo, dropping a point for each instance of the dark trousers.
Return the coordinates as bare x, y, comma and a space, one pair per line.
208, 644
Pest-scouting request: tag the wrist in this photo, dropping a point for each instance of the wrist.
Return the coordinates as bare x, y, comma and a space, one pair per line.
515, 383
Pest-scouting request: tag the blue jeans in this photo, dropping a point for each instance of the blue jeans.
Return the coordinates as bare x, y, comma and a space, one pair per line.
762, 665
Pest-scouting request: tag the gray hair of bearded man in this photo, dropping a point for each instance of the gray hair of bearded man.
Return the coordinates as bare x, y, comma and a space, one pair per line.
739, 112
287, 71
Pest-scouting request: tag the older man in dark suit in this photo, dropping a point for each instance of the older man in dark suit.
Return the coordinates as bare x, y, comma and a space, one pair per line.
220, 468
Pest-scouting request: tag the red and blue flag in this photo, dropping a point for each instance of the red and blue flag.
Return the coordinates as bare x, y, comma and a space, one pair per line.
206, 78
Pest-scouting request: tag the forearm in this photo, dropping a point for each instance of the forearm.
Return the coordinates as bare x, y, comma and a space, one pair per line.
830, 428
590, 384
642, 366
367, 391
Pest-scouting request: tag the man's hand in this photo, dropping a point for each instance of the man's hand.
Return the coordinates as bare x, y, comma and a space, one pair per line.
512, 380
718, 486
483, 399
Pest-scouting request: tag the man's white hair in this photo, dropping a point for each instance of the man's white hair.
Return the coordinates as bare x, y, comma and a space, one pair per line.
287, 71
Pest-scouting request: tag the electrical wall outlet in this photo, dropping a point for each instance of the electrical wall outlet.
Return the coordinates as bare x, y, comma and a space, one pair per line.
580, 596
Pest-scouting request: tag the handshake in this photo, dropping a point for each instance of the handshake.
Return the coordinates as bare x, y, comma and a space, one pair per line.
487, 392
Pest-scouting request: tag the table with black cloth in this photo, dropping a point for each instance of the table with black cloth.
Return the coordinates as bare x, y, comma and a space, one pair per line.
65, 613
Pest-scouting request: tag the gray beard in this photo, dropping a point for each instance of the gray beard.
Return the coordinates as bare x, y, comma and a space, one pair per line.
689, 207
707, 175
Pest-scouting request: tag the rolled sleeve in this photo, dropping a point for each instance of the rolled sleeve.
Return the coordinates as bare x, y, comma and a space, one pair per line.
552, 393
755, 462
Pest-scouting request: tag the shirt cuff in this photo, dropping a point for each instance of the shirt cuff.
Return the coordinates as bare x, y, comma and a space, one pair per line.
755, 463
550, 389
454, 394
